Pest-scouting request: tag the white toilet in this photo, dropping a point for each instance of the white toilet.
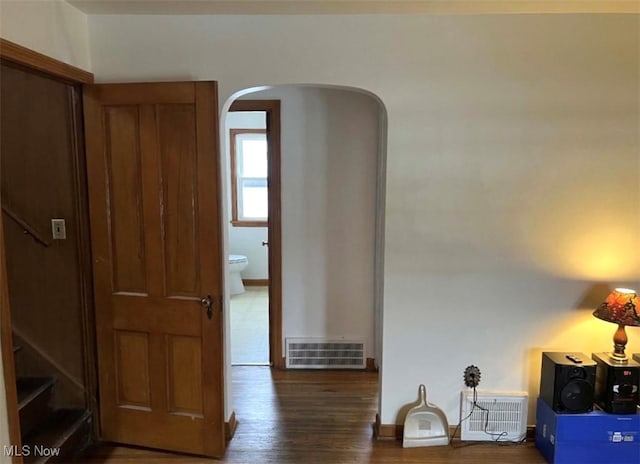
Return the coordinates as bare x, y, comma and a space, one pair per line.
237, 263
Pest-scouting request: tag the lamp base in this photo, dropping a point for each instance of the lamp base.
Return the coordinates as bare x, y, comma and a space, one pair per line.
619, 342
617, 359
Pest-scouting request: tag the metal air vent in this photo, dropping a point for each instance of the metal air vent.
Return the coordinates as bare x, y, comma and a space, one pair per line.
315, 353
497, 416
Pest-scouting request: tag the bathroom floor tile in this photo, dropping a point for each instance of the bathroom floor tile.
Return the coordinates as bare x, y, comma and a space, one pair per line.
250, 327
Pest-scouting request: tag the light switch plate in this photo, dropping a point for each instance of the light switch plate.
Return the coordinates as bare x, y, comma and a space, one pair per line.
58, 229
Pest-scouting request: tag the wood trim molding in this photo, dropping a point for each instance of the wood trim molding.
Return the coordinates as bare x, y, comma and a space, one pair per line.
275, 234
387, 431
83, 257
8, 365
396, 431
371, 365
233, 133
256, 282
249, 223
23, 56
230, 426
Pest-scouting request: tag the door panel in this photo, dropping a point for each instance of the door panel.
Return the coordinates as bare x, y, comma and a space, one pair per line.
124, 175
184, 397
155, 218
176, 126
132, 366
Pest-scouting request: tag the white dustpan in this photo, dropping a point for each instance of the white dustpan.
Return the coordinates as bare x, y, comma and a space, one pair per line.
425, 425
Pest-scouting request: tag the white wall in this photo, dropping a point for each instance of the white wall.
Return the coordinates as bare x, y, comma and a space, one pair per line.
246, 240
512, 168
51, 27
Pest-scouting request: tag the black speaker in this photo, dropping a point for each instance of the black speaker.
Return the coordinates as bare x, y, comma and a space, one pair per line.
636, 358
616, 389
567, 382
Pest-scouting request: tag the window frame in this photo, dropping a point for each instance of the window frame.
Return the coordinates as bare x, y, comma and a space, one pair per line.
235, 221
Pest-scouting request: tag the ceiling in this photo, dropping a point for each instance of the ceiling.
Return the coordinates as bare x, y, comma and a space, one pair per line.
352, 6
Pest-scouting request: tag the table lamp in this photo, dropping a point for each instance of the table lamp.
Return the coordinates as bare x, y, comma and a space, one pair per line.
620, 307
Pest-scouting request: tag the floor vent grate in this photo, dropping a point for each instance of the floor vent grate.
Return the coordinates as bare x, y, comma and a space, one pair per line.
496, 417
313, 353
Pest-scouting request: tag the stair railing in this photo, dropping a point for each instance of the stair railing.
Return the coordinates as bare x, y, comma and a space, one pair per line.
27, 229
32, 348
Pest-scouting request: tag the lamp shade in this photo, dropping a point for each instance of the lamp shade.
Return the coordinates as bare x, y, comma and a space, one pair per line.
620, 307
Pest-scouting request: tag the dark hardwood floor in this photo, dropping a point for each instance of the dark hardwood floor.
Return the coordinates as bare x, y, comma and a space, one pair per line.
323, 417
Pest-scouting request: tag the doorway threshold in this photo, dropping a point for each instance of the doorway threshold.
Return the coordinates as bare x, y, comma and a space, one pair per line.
263, 364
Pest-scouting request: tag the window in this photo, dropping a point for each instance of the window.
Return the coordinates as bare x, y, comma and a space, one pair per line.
249, 192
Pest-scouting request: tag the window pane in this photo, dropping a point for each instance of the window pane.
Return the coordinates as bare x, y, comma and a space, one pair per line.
254, 199
254, 158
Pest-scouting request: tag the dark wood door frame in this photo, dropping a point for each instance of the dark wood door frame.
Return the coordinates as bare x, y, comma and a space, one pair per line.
274, 222
7, 355
32, 61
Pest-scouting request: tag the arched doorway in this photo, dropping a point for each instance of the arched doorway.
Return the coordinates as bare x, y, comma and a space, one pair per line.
333, 150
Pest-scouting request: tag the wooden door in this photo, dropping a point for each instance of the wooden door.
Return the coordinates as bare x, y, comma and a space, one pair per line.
152, 161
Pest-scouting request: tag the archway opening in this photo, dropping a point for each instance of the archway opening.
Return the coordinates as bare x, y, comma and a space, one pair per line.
332, 170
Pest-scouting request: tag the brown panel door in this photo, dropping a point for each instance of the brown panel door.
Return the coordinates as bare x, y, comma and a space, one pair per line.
152, 160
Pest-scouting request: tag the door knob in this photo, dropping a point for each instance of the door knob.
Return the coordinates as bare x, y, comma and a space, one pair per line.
207, 305
265, 243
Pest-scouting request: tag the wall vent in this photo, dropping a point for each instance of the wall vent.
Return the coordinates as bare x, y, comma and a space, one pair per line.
498, 416
318, 353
